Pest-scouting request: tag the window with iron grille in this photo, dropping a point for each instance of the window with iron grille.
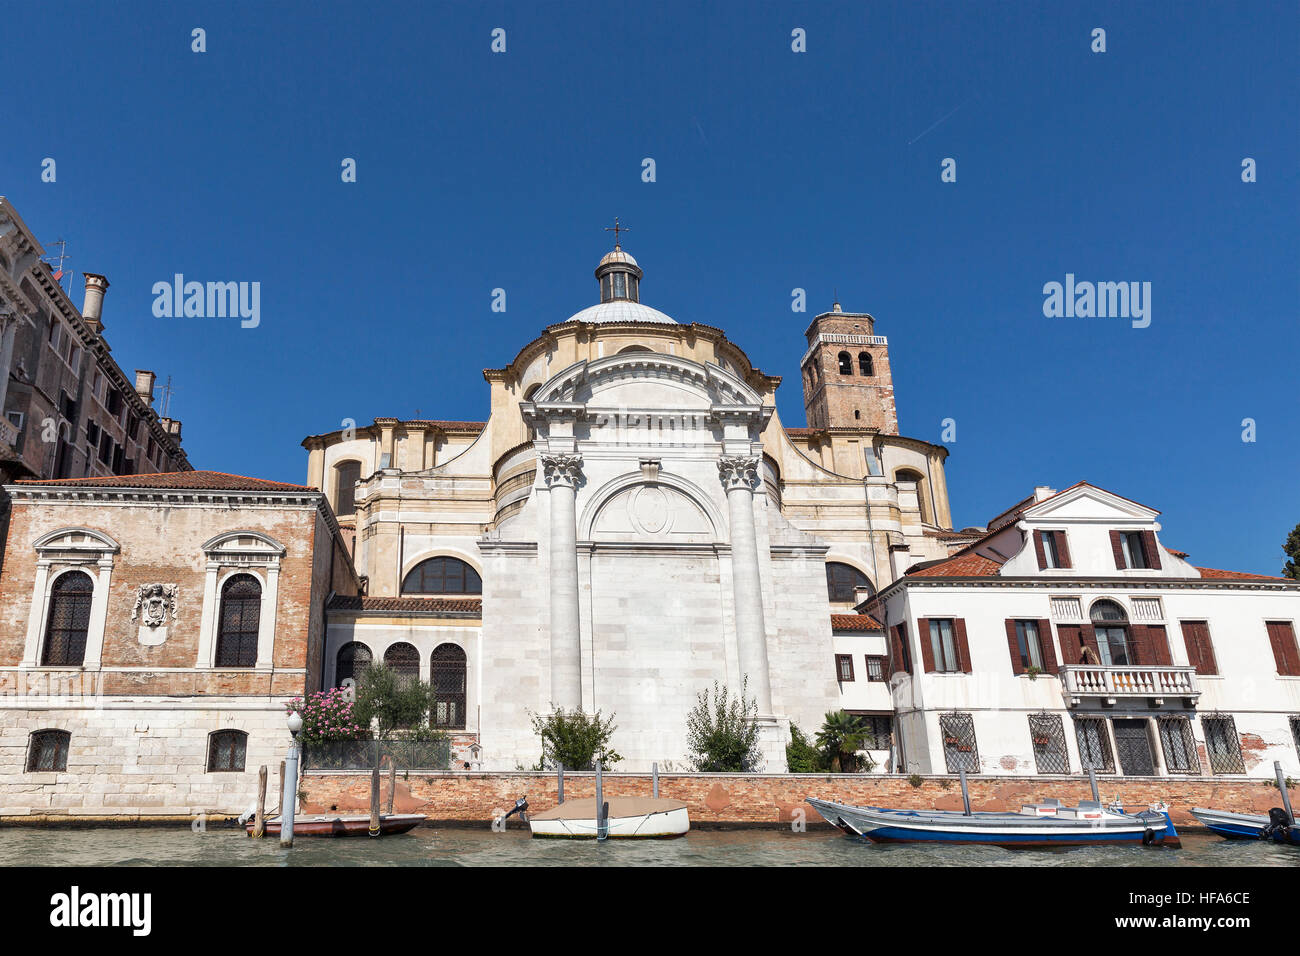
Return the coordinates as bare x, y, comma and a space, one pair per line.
844, 667
1047, 733
447, 674
1179, 745
959, 748
878, 730
1295, 732
68, 624
875, 668
353, 658
346, 476
404, 661
843, 581
442, 576
226, 751
238, 620
1094, 745
47, 751
1222, 743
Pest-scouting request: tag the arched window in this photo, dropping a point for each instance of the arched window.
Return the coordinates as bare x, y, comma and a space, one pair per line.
922, 493
447, 674
842, 582
237, 621
864, 364
227, 750
68, 622
47, 751
1110, 624
442, 576
634, 348
404, 661
353, 658
846, 363
346, 476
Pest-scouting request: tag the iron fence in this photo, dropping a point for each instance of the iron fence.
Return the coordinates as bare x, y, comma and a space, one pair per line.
1047, 731
404, 753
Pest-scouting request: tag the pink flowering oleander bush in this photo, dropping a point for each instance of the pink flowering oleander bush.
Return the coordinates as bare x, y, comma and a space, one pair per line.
327, 715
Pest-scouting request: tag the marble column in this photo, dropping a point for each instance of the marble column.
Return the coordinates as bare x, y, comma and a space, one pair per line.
739, 476
561, 473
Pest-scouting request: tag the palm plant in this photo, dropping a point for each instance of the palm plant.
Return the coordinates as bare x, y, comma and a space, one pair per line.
840, 738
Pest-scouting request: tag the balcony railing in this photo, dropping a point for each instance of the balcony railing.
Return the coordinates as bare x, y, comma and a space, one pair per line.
1113, 683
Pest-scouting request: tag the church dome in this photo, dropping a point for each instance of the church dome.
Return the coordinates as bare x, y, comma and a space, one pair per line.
619, 256
619, 278
621, 310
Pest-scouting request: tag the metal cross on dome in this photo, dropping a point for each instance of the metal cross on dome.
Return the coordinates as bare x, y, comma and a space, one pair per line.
616, 229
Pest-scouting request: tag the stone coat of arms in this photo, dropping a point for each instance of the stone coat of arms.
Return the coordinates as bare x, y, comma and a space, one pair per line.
153, 603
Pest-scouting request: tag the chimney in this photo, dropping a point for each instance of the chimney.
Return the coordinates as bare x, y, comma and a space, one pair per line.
172, 427
1043, 492
144, 385
93, 308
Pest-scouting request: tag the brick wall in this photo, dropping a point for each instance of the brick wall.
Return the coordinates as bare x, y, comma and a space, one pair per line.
763, 799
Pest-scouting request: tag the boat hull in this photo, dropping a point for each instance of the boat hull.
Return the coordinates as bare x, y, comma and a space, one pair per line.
881, 825
629, 819
336, 826
1242, 826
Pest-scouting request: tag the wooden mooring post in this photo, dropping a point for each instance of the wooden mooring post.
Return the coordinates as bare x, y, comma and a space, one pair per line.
374, 801
654, 780
559, 784
965, 794
259, 818
602, 808
1092, 779
1281, 786
392, 784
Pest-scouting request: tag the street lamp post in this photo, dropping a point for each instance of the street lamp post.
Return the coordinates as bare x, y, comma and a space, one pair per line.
289, 799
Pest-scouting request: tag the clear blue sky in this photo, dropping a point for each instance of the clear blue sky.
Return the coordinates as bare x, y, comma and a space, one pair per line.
775, 170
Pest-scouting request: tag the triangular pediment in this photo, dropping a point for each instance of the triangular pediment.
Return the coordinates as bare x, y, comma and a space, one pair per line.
1088, 503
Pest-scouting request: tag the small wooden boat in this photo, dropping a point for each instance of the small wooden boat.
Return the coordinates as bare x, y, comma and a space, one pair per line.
629, 818
325, 825
1275, 826
1035, 825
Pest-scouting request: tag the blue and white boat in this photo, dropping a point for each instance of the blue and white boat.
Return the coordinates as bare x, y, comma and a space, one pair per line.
1046, 824
1250, 826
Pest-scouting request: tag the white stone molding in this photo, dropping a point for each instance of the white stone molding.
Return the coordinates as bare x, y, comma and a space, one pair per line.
561, 470
739, 475
57, 553
738, 471
562, 473
228, 554
611, 489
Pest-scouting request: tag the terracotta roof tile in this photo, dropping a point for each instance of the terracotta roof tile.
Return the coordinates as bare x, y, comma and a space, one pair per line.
342, 602
1239, 575
448, 426
969, 565
184, 480
855, 622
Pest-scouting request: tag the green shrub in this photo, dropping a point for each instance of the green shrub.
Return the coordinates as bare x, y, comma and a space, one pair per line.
721, 734
575, 741
840, 739
399, 703
801, 756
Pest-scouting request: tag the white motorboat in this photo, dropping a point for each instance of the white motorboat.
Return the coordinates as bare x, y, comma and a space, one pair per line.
629, 818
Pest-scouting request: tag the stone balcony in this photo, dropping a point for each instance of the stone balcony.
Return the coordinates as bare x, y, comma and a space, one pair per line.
1082, 682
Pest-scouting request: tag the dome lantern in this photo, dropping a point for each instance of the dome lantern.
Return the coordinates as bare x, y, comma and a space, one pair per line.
618, 274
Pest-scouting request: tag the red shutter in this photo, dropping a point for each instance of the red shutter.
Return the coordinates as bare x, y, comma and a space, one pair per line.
1282, 636
1200, 652
905, 650
1140, 638
1151, 549
895, 651
1071, 640
1016, 666
1038, 550
1062, 549
1159, 642
1118, 549
927, 652
1049, 649
963, 646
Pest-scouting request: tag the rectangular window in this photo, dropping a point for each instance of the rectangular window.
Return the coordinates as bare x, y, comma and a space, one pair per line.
1028, 645
48, 751
873, 463
1094, 744
56, 330
903, 651
1113, 645
959, 749
879, 733
943, 646
92, 434
1179, 745
1200, 652
844, 667
114, 402
1047, 734
1223, 744
1051, 556
1134, 555
105, 448
1295, 732
875, 668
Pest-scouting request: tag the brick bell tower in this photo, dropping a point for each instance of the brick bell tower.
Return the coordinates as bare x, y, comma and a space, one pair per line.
846, 378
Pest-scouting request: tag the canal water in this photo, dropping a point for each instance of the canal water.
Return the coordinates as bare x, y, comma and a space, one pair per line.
458, 847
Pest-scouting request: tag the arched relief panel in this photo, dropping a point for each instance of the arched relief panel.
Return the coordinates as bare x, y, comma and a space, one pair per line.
631, 508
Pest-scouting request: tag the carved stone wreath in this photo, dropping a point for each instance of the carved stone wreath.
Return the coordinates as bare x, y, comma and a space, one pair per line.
153, 603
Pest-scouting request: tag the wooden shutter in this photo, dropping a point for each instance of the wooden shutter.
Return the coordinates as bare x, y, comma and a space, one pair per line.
1118, 548
1038, 550
1140, 639
895, 651
1158, 640
1017, 667
1048, 648
927, 652
1090, 639
1282, 637
1071, 638
963, 646
1151, 549
1062, 549
1200, 652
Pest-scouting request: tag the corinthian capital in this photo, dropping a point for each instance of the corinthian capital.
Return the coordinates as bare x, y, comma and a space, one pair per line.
564, 470
738, 471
